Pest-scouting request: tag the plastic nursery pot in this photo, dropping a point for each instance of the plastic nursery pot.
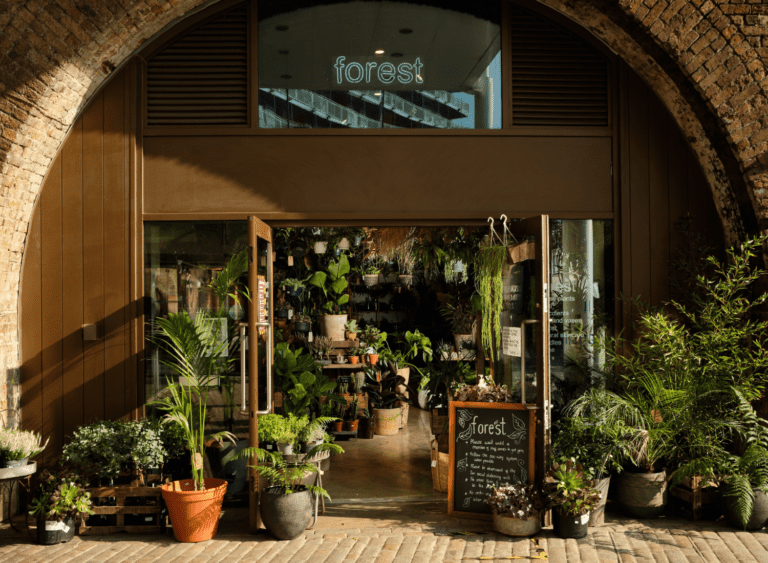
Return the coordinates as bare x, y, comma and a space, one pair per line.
194, 514
50, 532
567, 526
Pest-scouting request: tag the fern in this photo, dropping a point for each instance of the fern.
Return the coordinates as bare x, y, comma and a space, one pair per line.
740, 488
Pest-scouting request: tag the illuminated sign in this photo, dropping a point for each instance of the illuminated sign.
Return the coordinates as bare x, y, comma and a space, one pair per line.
371, 71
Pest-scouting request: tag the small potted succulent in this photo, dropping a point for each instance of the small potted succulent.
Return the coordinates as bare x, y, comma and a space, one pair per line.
572, 498
60, 499
516, 509
350, 328
17, 446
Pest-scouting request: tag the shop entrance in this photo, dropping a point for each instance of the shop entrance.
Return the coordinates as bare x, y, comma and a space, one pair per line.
363, 280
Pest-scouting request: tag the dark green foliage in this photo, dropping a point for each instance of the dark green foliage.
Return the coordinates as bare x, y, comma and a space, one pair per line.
301, 380
599, 448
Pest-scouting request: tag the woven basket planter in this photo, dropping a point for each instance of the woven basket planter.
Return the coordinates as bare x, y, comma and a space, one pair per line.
387, 421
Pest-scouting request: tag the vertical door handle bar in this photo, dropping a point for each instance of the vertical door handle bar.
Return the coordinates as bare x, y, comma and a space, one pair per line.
522, 362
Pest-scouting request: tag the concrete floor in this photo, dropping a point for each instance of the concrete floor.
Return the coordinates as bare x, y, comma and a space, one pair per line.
387, 468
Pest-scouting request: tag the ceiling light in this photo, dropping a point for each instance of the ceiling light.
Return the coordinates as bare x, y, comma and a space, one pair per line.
282, 28
379, 51
377, 93
406, 31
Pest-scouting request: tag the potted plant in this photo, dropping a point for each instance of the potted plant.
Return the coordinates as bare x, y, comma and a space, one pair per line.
302, 383
59, 501
324, 346
572, 498
374, 339
385, 401
462, 318
269, 426
399, 360
354, 355
333, 284
350, 418
302, 322
599, 448
350, 328
370, 275
366, 426
17, 446
195, 353
516, 509
286, 505
293, 287
744, 488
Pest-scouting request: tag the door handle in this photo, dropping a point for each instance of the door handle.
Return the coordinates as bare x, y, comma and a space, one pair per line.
522, 363
243, 362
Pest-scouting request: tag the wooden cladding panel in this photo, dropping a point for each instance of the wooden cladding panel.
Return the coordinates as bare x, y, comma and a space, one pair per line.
202, 77
664, 182
558, 79
74, 273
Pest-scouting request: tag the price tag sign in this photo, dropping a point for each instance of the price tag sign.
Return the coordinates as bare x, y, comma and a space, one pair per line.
510, 341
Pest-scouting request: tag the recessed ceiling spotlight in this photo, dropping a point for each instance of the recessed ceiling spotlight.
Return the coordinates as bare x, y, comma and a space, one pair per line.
286, 76
282, 28
396, 55
377, 93
283, 52
379, 52
406, 30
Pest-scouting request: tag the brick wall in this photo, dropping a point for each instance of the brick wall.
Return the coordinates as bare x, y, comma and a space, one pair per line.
706, 60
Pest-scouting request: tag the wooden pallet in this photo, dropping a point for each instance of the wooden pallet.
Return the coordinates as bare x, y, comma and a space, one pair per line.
695, 500
151, 511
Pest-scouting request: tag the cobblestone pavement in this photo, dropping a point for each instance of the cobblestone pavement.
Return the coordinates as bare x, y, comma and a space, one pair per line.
409, 533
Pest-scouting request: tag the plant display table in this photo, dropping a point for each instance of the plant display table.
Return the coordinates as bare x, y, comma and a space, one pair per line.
300, 459
11, 476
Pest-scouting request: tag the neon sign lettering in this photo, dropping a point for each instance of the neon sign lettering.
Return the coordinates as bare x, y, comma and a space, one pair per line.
368, 71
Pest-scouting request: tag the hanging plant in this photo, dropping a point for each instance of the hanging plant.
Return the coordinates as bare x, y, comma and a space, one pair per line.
489, 265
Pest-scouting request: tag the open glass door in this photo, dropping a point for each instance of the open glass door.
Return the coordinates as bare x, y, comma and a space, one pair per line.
259, 348
523, 361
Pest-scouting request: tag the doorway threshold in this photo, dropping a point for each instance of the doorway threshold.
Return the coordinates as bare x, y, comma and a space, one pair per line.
380, 500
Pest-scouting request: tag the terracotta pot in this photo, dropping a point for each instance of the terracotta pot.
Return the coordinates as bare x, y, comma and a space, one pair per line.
373, 358
194, 514
353, 359
338, 425
351, 335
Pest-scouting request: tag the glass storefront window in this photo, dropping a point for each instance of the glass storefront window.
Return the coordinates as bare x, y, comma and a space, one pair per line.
582, 304
379, 64
180, 259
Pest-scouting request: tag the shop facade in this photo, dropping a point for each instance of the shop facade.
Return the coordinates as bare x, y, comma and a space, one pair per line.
289, 114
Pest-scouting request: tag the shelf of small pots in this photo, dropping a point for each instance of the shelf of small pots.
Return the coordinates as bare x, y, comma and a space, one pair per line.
517, 509
572, 498
60, 500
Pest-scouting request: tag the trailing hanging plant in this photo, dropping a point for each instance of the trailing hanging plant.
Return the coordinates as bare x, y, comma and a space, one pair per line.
489, 281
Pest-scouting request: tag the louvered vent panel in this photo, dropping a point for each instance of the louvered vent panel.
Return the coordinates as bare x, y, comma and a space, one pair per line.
557, 77
202, 78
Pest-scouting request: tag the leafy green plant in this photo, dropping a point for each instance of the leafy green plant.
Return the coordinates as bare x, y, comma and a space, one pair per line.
61, 496
742, 475
333, 284
414, 344
571, 493
599, 447
269, 425
301, 381
195, 352
351, 325
489, 267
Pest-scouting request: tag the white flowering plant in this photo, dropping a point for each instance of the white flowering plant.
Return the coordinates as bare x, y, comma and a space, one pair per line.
106, 448
517, 501
20, 444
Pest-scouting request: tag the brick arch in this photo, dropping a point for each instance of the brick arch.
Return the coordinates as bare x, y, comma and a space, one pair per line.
58, 53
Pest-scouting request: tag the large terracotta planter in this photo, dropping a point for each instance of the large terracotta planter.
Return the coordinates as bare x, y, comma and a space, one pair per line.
643, 495
333, 326
194, 514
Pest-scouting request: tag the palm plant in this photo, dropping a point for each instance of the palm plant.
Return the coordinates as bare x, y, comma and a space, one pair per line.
195, 353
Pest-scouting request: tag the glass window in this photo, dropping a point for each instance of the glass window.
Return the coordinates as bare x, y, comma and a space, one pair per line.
379, 64
582, 304
180, 259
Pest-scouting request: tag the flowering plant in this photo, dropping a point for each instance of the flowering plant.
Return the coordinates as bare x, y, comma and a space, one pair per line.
518, 501
20, 444
61, 497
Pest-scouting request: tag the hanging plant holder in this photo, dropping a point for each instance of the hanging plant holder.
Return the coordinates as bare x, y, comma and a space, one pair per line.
344, 244
321, 246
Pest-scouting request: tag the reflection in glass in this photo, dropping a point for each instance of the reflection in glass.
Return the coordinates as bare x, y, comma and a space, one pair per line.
582, 304
181, 259
379, 64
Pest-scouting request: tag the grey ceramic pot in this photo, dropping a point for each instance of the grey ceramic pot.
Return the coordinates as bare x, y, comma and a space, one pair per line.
597, 516
286, 516
757, 519
509, 526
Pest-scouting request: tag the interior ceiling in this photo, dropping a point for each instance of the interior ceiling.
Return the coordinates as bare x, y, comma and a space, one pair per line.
454, 47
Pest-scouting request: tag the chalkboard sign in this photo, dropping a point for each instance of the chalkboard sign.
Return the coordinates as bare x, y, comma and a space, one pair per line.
490, 444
